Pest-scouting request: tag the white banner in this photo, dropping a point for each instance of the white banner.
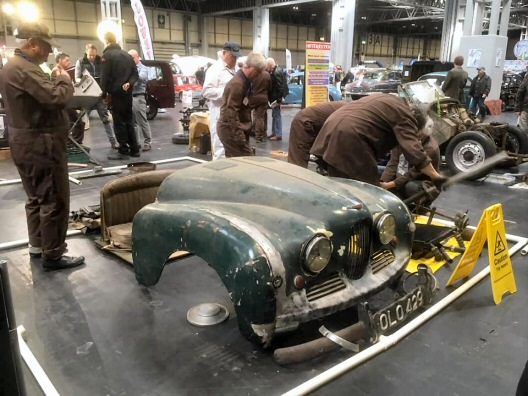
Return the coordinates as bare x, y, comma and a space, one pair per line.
288, 60
143, 29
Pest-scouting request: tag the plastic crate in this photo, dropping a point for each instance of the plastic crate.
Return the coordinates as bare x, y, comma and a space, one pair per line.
75, 154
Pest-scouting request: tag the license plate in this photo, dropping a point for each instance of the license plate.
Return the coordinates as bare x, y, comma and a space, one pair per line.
399, 311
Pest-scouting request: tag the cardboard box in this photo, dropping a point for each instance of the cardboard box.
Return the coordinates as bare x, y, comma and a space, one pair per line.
198, 126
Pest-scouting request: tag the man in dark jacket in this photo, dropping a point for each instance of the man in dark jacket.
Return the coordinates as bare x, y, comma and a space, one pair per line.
38, 134
119, 74
355, 136
349, 77
455, 81
479, 91
234, 122
275, 96
258, 101
521, 104
304, 129
200, 75
91, 62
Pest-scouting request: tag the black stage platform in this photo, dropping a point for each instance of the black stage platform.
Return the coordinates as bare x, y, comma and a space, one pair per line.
95, 331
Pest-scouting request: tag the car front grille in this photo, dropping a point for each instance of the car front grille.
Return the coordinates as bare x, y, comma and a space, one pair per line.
326, 287
381, 259
358, 256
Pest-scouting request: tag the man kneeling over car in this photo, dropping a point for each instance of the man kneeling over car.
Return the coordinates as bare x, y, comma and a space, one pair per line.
355, 136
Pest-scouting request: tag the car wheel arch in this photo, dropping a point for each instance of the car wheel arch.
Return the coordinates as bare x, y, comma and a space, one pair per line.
224, 247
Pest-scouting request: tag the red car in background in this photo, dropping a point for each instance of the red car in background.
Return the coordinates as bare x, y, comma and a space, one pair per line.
186, 83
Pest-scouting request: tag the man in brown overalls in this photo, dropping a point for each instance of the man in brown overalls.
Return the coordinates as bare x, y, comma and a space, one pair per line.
355, 136
234, 123
258, 101
304, 129
38, 133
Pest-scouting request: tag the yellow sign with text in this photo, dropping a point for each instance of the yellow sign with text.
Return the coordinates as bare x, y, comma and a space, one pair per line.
490, 228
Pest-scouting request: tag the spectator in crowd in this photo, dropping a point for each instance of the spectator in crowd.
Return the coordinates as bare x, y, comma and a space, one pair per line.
521, 105
479, 91
119, 74
355, 136
304, 129
216, 78
62, 61
258, 100
139, 103
38, 135
349, 77
338, 75
200, 75
91, 62
234, 123
278, 91
455, 81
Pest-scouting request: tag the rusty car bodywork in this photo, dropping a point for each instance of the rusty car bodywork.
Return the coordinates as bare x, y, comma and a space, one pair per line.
253, 219
465, 139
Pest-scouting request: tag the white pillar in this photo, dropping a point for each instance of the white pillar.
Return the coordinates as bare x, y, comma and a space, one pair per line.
494, 16
452, 30
478, 18
342, 39
261, 29
505, 17
468, 18
111, 10
202, 20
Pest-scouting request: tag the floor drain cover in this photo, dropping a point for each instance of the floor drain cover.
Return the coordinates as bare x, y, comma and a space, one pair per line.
207, 314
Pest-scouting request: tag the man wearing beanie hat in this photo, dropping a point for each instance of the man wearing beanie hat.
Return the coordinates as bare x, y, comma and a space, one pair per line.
216, 78
479, 91
38, 134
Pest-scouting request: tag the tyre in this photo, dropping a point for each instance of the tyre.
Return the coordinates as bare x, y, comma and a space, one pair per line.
152, 108
180, 138
468, 149
517, 143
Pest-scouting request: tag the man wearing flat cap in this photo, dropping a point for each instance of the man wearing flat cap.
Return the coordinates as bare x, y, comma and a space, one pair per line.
479, 91
38, 134
216, 78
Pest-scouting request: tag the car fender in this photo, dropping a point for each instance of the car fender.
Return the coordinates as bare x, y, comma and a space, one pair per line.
247, 262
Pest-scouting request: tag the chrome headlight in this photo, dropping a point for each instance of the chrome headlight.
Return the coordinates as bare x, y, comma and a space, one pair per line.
386, 228
317, 254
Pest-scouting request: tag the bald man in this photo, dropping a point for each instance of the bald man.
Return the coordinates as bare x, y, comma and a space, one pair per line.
139, 104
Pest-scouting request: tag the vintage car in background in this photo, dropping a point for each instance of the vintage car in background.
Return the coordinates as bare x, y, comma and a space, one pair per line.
295, 86
160, 89
290, 245
464, 139
374, 81
439, 77
187, 83
509, 87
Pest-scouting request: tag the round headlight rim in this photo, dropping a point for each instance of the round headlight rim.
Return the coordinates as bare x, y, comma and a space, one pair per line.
382, 218
312, 242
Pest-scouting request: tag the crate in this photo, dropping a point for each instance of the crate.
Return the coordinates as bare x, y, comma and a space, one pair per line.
75, 154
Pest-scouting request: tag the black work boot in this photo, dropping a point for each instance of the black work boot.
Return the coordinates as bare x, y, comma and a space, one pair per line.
63, 262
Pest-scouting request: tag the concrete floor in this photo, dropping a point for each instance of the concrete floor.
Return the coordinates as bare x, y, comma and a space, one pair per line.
95, 331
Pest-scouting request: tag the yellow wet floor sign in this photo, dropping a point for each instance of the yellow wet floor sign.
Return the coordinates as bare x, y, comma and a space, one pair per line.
490, 228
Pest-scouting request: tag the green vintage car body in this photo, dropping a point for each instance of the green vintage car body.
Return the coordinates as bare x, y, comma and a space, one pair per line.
252, 219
